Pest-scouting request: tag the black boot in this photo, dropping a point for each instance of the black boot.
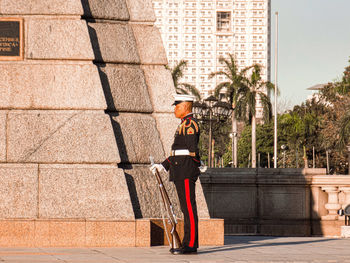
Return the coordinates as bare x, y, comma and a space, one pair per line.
188, 250
176, 251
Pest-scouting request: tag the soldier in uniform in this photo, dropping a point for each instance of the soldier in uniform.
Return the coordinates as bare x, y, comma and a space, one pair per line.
183, 166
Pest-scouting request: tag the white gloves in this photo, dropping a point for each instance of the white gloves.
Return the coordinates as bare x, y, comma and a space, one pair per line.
203, 167
158, 167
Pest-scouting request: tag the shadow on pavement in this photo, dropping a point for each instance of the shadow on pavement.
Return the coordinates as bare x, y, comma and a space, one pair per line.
243, 242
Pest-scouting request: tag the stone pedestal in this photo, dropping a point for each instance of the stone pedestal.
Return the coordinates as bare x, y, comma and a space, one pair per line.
99, 233
210, 232
80, 115
345, 231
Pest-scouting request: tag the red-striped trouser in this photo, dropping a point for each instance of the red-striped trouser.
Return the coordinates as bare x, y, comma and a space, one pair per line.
186, 193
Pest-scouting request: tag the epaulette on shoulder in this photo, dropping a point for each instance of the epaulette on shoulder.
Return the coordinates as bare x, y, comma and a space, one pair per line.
191, 127
188, 122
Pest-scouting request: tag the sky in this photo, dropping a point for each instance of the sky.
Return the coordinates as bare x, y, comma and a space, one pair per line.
313, 43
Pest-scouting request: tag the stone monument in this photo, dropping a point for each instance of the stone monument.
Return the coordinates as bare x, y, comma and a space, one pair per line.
85, 100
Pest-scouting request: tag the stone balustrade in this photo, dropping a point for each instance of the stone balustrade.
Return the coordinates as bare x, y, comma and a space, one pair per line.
337, 188
292, 202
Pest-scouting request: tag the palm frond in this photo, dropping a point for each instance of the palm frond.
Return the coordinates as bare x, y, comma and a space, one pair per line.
270, 87
267, 106
191, 89
219, 73
177, 72
232, 74
220, 86
181, 91
251, 99
241, 108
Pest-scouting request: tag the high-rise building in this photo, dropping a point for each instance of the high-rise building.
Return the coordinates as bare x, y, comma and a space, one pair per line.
200, 31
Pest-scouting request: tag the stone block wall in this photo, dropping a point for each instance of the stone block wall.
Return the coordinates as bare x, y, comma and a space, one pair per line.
82, 112
284, 202
59, 153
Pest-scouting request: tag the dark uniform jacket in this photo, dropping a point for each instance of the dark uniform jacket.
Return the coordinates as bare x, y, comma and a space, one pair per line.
181, 167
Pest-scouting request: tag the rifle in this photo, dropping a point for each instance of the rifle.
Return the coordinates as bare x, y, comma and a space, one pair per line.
175, 239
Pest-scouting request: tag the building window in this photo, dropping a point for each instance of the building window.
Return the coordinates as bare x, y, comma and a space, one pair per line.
223, 21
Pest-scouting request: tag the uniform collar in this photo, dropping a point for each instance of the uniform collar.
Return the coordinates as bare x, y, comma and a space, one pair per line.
190, 115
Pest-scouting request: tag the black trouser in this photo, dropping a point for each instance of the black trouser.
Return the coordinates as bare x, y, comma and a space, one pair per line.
187, 197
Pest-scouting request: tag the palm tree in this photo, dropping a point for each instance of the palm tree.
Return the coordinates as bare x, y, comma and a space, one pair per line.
252, 89
231, 85
180, 87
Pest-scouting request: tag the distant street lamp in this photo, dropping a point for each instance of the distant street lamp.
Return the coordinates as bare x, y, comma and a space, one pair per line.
284, 147
211, 110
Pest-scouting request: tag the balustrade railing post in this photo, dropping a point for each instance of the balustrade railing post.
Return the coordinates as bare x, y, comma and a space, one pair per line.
333, 202
346, 190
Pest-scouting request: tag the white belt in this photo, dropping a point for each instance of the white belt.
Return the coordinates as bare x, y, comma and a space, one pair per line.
180, 152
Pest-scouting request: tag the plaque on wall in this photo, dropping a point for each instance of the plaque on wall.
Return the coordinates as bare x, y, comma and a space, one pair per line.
11, 38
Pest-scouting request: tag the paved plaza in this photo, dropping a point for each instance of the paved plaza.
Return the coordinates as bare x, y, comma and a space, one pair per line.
236, 249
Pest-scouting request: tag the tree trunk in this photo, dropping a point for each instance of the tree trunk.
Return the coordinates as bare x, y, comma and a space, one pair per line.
306, 165
234, 139
254, 141
212, 153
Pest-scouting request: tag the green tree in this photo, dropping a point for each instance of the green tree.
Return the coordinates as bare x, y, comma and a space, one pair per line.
252, 89
343, 88
220, 136
302, 127
244, 147
264, 143
182, 88
231, 86
233, 78
344, 130
336, 131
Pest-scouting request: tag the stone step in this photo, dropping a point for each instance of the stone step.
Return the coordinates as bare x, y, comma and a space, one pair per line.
99, 233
